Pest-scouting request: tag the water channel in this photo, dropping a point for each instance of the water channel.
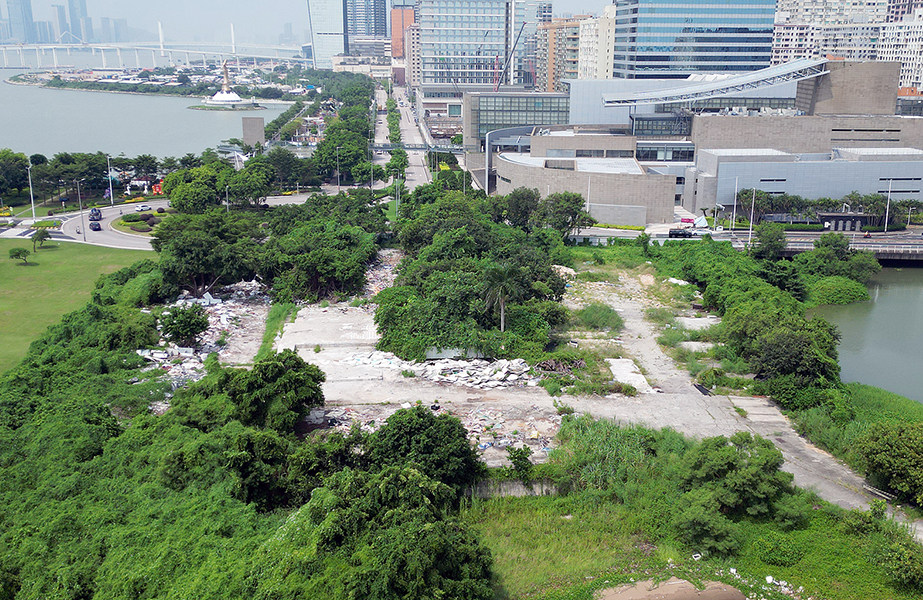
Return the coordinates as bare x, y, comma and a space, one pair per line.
48, 121
882, 341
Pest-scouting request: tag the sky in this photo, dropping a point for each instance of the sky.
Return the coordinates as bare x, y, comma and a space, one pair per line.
209, 20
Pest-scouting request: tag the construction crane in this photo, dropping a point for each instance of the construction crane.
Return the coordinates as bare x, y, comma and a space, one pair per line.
509, 58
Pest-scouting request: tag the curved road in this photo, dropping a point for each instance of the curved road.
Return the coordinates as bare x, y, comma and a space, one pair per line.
75, 228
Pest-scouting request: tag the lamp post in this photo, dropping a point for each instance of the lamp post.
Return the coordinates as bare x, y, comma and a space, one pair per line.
32, 196
109, 177
734, 216
80, 206
338, 169
909, 210
888, 206
752, 205
227, 202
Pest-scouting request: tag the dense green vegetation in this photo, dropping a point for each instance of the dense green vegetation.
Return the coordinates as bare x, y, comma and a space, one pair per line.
641, 502
478, 274
216, 498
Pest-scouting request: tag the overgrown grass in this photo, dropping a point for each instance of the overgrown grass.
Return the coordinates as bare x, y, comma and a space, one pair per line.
279, 315
614, 525
600, 316
58, 279
870, 405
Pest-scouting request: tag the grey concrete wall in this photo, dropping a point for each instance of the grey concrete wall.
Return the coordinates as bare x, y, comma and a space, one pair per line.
615, 198
806, 133
541, 143
851, 88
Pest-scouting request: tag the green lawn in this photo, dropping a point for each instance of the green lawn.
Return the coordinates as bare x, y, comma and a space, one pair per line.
57, 280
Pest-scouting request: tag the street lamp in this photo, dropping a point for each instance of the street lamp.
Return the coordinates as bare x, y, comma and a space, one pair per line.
888, 206
109, 177
80, 205
338, 169
227, 203
32, 196
909, 210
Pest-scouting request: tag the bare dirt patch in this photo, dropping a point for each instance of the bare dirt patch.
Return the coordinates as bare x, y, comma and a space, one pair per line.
671, 589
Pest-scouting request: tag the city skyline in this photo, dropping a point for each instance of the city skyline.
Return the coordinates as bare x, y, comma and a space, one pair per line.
210, 20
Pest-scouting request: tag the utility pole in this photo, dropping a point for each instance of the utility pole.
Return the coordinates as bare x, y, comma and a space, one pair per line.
888, 206
80, 205
338, 169
32, 196
109, 177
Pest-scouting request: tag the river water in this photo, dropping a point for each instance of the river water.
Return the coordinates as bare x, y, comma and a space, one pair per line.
882, 341
47, 121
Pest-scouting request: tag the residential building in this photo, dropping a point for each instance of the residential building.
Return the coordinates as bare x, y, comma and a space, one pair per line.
524, 18
673, 38
414, 70
597, 45
558, 52
899, 9
22, 27
903, 42
462, 42
851, 41
366, 18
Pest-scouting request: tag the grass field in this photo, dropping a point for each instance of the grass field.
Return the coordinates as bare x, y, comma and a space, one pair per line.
57, 280
565, 548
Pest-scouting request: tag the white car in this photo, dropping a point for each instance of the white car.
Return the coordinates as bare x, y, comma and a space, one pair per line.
142, 208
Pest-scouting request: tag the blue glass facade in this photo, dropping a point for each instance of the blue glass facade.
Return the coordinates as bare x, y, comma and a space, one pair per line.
673, 38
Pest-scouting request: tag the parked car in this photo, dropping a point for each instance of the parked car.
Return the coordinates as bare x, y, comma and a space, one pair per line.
142, 208
680, 233
95, 226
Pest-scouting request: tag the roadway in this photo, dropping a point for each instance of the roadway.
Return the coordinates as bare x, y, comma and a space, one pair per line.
75, 228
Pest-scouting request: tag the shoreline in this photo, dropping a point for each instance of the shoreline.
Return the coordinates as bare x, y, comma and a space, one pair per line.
192, 97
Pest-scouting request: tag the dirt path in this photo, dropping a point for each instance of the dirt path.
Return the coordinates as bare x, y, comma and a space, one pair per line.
679, 405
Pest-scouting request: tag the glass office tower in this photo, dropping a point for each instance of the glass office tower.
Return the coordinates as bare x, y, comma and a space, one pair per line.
673, 38
327, 20
462, 41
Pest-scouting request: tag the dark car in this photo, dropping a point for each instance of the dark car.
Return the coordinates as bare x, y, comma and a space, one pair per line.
95, 226
680, 233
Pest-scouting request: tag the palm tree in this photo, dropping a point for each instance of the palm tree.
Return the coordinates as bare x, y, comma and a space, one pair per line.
502, 286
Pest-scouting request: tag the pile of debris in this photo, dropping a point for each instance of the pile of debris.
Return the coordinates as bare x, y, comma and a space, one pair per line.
477, 373
232, 313
382, 273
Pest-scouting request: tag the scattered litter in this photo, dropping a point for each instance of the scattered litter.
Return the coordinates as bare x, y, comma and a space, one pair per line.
477, 373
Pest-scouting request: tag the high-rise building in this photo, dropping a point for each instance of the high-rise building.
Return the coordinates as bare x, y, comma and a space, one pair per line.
86, 29
22, 27
597, 42
413, 71
327, 19
334, 23
673, 38
463, 42
61, 26
558, 52
77, 11
401, 19
366, 18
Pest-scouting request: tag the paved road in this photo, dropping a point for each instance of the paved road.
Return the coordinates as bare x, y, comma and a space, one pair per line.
75, 229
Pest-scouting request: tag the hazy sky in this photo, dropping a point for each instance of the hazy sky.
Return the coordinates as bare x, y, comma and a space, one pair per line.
209, 20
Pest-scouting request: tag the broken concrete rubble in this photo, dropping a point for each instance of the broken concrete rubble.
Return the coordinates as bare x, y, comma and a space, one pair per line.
477, 373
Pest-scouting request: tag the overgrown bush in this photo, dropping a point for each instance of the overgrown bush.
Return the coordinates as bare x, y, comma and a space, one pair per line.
184, 325
837, 290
